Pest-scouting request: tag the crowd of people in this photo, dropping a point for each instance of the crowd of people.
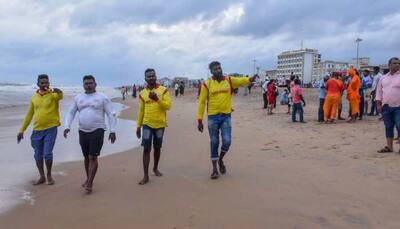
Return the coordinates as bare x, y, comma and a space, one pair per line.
381, 92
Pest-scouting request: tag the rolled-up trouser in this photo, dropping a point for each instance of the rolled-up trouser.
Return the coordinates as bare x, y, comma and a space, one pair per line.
216, 124
331, 106
391, 118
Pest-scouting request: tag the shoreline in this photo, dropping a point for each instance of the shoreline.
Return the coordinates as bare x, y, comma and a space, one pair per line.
280, 175
26, 190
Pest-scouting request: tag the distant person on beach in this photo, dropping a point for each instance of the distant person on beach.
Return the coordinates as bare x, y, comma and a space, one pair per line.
377, 77
176, 87
123, 92
340, 106
322, 95
333, 89
388, 102
265, 93
353, 95
216, 92
182, 88
92, 107
272, 94
154, 102
134, 91
250, 86
298, 101
44, 109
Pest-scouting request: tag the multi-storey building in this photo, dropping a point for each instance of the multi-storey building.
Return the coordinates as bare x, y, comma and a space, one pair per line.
326, 67
299, 62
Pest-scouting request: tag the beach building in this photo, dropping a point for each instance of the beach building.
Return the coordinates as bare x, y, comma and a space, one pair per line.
300, 62
326, 67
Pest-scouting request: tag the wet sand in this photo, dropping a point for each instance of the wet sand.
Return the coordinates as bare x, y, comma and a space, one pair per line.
280, 175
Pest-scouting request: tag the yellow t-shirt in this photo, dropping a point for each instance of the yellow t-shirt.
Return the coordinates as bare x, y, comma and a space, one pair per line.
44, 109
154, 113
218, 95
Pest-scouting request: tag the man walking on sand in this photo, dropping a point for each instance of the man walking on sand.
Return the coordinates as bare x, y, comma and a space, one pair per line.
154, 102
217, 93
388, 102
92, 107
298, 99
44, 109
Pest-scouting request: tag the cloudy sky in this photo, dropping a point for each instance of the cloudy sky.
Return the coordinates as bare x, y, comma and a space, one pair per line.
116, 40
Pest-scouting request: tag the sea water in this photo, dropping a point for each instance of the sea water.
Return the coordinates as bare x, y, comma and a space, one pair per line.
17, 165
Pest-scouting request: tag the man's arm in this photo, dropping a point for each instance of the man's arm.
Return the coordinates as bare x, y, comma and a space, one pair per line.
70, 117
26, 122
379, 96
240, 81
165, 102
112, 119
58, 94
140, 116
201, 106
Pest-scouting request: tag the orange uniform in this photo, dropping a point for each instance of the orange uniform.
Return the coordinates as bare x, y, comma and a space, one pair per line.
333, 87
353, 92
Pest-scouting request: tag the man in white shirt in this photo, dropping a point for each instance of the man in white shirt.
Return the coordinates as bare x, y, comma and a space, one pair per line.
377, 77
265, 91
92, 107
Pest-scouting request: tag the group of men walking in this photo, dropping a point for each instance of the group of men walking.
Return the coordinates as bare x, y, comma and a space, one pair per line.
153, 104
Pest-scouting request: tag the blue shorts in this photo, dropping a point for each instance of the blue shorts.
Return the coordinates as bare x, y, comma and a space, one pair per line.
391, 118
152, 136
43, 142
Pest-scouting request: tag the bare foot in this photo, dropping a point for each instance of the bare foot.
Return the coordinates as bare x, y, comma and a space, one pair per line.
157, 173
84, 184
50, 181
88, 189
40, 181
145, 180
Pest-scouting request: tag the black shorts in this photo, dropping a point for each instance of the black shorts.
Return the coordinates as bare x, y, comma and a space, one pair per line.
91, 142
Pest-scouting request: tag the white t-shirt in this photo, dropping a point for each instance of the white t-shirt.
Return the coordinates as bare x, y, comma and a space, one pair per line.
92, 109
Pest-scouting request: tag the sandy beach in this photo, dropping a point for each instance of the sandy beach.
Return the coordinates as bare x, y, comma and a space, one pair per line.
280, 175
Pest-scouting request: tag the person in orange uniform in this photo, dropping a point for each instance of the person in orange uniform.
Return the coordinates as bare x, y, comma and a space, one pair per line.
154, 102
353, 95
217, 93
333, 89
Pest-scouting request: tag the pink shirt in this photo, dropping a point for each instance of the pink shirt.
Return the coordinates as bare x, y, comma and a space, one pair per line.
296, 92
388, 89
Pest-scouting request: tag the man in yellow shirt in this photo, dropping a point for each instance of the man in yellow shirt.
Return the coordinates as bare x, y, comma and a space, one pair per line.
217, 93
154, 101
44, 109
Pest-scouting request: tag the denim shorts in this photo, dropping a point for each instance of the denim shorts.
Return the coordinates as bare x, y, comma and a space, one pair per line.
391, 118
152, 136
43, 142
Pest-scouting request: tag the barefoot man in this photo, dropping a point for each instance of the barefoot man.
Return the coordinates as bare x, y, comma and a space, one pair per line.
43, 108
217, 93
154, 102
388, 102
92, 107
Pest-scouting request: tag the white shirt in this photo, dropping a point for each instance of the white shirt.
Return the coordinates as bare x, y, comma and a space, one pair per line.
92, 109
376, 80
176, 86
265, 86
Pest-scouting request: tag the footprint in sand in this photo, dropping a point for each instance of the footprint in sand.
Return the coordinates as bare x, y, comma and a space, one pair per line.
265, 149
353, 218
314, 147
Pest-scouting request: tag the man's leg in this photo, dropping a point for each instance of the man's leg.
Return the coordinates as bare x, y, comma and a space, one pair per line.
84, 142
37, 143
93, 165
301, 111
49, 142
389, 122
147, 137
226, 134
95, 145
361, 109
213, 130
158, 138
294, 111
321, 110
